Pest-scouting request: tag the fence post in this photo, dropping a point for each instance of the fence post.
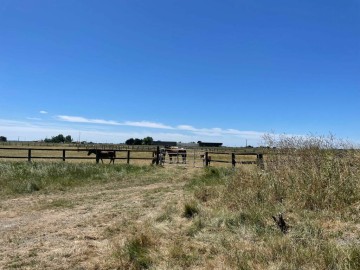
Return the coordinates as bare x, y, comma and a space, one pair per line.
29, 155
63, 154
260, 161
206, 158
157, 155
233, 161
128, 156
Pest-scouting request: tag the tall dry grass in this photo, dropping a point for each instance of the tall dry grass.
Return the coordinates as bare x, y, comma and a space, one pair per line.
313, 181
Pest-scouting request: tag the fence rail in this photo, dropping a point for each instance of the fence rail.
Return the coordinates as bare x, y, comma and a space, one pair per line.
30, 154
259, 158
207, 157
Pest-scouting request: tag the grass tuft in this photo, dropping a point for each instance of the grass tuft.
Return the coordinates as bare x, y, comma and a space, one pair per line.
190, 209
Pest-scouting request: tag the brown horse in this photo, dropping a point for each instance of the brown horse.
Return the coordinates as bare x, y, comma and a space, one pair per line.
103, 154
176, 152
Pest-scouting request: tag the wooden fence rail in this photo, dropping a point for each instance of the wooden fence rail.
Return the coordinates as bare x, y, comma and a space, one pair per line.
259, 159
230, 157
30, 156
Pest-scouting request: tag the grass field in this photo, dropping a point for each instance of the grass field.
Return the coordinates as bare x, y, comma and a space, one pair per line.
63, 215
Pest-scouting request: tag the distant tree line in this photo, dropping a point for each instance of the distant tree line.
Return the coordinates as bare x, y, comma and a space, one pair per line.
59, 139
3, 139
136, 141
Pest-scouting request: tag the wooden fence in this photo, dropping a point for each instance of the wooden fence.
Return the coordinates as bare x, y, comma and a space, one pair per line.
233, 158
28, 154
154, 154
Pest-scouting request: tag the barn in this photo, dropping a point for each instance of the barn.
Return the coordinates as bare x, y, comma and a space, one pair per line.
209, 144
164, 143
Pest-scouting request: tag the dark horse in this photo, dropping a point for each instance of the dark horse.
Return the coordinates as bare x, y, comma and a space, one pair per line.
103, 154
176, 152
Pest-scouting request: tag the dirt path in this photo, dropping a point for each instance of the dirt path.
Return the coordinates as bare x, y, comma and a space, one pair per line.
71, 230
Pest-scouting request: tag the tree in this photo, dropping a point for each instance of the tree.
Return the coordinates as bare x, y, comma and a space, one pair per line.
68, 139
3, 139
130, 141
138, 141
148, 140
59, 139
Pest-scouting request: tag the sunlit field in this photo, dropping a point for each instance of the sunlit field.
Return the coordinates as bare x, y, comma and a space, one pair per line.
138, 155
82, 215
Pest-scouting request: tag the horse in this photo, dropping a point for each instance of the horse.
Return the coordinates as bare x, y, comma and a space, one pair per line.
175, 152
103, 154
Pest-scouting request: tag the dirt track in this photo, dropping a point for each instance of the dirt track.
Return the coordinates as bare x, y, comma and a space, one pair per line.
70, 230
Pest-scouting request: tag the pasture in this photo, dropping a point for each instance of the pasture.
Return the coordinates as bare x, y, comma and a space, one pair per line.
124, 155
81, 215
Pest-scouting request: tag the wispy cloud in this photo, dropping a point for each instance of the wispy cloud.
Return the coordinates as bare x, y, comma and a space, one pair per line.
208, 132
146, 124
43, 112
186, 127
80, 119
112, 131
220, 132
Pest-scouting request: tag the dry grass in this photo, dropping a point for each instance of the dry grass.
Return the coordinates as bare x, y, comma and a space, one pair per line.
147, 217
138, 156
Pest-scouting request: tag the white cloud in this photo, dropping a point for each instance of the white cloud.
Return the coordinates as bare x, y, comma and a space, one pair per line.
43, 112
146, 124
98, 130
186, 127
80, 119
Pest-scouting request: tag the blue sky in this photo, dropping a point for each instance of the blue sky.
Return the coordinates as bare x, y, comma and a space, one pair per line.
221, 71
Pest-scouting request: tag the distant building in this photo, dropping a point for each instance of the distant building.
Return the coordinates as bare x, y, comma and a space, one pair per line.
209, 144
192, 144
164, 143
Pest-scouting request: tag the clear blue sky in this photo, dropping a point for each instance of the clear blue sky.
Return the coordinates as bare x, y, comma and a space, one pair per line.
221, 71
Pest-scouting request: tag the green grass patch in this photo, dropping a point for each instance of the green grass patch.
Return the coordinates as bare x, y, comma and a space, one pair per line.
210, 176
25, 177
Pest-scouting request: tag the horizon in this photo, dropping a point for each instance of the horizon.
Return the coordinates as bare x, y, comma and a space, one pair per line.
229, 71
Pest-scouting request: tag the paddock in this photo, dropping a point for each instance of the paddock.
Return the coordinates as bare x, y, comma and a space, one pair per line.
195, 157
